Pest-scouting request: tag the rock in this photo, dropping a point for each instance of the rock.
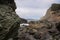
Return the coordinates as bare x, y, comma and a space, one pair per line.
10, 3
53, 17
46, 29
55, 7
53, 13
9, 20
23, 20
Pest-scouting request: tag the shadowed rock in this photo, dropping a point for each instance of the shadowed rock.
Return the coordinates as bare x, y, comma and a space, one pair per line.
55, 7
9, 20
10, 3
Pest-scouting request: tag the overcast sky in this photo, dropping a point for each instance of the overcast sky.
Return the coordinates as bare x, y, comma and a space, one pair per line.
33, 9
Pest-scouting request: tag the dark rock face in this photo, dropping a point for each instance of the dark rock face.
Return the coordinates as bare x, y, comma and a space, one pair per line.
55, 7
9, 20
10, 3
23, 20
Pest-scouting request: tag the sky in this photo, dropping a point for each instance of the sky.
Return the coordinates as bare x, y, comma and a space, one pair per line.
33, 9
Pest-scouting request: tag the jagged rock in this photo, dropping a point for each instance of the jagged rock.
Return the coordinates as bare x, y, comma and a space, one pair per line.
9, 20
10, 3
55, 7
53, 16
53, 13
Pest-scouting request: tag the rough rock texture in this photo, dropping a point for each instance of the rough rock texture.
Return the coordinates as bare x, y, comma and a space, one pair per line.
9, 20
46, 29
23, 20
10, 3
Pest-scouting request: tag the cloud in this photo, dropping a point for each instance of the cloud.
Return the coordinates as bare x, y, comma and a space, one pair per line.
34, 9
30, 13
34, 3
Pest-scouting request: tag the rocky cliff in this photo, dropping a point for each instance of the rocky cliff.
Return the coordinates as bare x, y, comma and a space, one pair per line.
10, 3
46, 29
9, 20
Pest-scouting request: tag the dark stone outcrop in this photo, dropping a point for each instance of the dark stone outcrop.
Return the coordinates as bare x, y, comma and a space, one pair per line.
9, 20
10, 3
23, 20
55, 7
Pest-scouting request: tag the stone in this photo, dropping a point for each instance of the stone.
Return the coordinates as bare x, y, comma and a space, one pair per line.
10, 3
46, 29
9, 20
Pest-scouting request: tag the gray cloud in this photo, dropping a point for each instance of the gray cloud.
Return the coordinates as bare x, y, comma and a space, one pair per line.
33, 8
